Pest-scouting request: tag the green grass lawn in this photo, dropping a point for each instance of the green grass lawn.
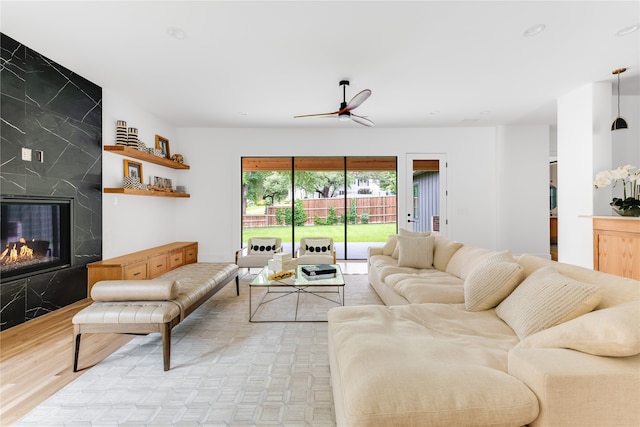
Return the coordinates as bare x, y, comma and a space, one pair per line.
356, 233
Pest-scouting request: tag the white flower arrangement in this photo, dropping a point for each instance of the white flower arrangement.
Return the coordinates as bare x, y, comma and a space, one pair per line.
628, 205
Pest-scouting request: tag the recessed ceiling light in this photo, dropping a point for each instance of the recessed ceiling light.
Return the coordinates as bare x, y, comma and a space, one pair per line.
176, 33
534, 30
628, 30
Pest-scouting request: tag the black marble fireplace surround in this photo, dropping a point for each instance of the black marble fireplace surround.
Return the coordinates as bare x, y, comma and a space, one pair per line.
50, 109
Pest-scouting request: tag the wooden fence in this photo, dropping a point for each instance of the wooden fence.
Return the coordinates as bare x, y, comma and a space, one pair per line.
381, 210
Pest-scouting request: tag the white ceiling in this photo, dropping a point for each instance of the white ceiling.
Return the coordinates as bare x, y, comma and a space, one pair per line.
257, 64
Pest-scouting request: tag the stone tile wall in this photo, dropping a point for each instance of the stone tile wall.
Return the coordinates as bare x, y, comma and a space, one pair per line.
48, 108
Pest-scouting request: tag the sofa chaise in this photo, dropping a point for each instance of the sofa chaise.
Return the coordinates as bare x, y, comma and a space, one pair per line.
475, 337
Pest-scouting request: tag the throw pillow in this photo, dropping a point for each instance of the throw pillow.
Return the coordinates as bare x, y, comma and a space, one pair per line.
262, 246
409, 233
390, 246
317, 246
491, 281
544, 299
416, 252
613, 331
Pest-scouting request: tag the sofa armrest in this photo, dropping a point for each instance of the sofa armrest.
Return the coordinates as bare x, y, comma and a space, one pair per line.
374, 250
241, 252
579, 389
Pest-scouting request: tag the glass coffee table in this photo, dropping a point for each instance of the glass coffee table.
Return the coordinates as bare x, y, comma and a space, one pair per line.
279, 295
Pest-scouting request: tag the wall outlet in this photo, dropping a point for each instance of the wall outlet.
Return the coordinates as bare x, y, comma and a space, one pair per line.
26, 154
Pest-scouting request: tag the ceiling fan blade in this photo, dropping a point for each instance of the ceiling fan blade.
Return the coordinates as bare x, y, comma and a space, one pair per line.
358, 99
362, 120
317, 115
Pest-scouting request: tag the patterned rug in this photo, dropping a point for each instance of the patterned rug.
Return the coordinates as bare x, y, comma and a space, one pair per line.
225, 371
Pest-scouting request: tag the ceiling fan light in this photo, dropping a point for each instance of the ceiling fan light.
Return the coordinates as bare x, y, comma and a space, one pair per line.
344, 117
619, 123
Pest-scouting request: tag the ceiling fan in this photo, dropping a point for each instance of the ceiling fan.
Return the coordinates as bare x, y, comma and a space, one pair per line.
344, 113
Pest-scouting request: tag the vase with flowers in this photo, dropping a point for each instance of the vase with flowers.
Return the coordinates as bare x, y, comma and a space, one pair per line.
629, 204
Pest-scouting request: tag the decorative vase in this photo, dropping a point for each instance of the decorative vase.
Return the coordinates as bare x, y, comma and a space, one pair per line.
121, 133
626, 212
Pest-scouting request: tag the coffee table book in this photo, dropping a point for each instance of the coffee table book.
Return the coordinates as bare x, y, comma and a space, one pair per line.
319, 270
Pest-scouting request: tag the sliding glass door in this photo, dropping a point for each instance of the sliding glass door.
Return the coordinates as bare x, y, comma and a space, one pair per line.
350, 199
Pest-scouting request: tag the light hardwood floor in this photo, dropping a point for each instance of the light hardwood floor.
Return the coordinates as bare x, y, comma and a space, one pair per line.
36, 359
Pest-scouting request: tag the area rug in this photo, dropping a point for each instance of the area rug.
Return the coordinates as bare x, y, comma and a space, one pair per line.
225, 371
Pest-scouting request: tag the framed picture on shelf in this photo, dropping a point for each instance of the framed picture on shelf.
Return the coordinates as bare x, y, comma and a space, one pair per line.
133, 169
162, 144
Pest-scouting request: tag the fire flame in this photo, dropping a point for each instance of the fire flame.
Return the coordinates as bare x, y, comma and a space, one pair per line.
14, 255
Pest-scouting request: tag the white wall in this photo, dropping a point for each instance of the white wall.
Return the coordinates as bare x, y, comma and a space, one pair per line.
132, 223
522, 165
584, 148
212, 215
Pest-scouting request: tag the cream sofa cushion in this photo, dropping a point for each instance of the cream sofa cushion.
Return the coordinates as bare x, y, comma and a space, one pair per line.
390, 245
415, 252
492, 281
544, 299
613, 331
135, 290
409, 233
406, 233
430, 365
443, 251
465, 259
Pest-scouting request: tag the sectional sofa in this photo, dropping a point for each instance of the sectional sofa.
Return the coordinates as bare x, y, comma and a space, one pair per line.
476, 337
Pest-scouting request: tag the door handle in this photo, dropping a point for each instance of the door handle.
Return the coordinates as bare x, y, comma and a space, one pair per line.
410, 220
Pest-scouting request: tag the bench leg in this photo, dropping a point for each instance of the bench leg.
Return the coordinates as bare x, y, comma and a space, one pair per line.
238, 285
76, 353
166, 345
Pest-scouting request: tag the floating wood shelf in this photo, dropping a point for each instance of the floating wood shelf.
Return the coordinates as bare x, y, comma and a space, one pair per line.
147, 157
145, 192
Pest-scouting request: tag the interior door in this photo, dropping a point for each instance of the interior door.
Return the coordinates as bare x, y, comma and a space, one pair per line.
426, 193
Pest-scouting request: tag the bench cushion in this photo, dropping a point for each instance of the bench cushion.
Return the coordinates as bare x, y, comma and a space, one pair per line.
196, 280
130, 312
134, 290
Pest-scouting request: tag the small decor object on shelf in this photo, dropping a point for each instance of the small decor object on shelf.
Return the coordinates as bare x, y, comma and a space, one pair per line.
629, 204
177, 158
162, 144
133, 169
157, 183
132, 137
121, 133
141, 146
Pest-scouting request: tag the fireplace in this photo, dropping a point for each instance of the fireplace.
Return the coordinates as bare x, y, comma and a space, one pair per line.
35, 235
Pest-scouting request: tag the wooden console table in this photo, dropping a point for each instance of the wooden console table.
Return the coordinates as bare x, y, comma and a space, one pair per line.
146, 264
616, 246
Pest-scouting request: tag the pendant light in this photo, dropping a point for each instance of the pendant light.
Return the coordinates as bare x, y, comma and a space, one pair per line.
619, 122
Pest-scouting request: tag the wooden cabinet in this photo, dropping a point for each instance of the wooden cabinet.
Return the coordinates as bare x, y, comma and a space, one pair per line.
146, 264
141, 155
158, 265
616, 246
137, 271
176, 259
